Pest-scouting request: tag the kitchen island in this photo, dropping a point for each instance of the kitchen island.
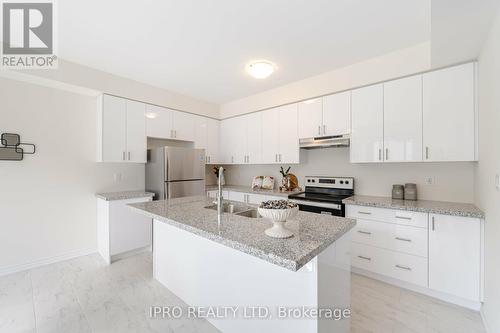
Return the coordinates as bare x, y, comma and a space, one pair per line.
228, 261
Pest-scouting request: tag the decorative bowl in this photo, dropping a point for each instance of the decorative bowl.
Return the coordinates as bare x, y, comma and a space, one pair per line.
278, 217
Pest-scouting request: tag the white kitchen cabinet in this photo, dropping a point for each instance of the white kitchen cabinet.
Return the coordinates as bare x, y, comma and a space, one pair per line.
253, 124
280, 142
270, 135
367, 108
136, 132
183, 124
206, 136
449, 114
337, 114
403, 120
310, 115
121, 130
158, 122
120, 231
288, 134
455, 256
234, 140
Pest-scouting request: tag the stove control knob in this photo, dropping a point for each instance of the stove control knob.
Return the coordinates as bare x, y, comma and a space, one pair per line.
347, 182
341, 182
313, 180
308, 180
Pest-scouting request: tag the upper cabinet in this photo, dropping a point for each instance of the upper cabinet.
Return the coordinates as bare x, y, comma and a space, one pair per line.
326, 116
158, 122
183, 125
206, 132
403, 120
280, 143
241, 139
310, 118
367, 134
121, 130
449, 114
337, 114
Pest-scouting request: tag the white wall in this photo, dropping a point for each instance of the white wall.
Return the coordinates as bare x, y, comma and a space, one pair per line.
75, 75
487, 197
392, 65
47, 204
454, 181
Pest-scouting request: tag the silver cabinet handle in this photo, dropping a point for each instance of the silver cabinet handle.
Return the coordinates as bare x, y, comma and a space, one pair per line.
365, 258
275, 157
279, 156
403, 239
324, 129
364, 232
208, 159
403, 267
364, 213
386, 154
232, 159
123, 157
380, 154
171, 133
319, 130
433, 224
426, 153
129, 156
403, 217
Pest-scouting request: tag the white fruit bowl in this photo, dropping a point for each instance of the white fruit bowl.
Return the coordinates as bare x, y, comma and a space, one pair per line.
279, 217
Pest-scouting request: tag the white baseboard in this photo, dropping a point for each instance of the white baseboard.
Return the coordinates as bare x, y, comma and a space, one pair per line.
485, 323
130, 253
45, 261
476, 306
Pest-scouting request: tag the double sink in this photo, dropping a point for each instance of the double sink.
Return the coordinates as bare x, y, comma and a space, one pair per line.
237, 210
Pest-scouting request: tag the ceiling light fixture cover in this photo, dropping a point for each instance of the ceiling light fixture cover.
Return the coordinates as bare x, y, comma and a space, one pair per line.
260, 69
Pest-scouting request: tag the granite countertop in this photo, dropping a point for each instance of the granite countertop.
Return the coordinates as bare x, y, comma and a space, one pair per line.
248, 189
124, 195
312, 232
424, 206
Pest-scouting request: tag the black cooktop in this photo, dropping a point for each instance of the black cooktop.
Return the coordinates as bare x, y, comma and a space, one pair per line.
321, 197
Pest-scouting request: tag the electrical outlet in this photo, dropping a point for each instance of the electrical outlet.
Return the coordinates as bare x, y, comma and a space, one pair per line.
430, 180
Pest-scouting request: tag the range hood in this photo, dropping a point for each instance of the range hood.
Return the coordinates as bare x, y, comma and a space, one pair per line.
325, 142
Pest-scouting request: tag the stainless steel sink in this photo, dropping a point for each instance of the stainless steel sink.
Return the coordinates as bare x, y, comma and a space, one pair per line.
228, 208
252, 213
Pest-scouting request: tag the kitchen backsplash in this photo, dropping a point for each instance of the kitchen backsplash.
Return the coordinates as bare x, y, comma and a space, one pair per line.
451, 181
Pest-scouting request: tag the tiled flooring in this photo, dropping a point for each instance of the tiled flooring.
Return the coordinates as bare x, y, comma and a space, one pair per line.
85, 295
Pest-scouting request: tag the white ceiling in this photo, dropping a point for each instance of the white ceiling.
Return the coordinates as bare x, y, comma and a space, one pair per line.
199, 48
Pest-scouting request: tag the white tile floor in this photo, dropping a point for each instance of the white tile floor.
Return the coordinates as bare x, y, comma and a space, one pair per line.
85, 295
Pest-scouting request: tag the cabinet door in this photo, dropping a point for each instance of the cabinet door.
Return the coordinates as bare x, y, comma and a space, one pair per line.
403, 119
253, 123
449, 114
225, 147
310, 118
136, 132
114, 129
201, 134
270, 135
455, 255
367, 107
239, 137
288, 134
158, 122
337, 114
183, 126
212, 141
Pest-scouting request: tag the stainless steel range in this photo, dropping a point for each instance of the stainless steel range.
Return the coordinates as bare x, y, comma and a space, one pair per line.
324, 195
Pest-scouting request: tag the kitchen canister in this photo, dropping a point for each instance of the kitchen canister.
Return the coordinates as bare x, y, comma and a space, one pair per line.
410, 191
398, 192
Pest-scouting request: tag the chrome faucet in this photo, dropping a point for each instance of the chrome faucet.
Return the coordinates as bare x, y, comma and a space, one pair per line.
220, 199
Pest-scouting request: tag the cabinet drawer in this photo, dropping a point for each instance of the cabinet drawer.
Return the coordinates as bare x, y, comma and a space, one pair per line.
396, 216
391, 236
401, 266
407, 267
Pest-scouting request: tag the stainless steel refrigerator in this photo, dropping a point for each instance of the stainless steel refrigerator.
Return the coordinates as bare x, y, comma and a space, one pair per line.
173, 172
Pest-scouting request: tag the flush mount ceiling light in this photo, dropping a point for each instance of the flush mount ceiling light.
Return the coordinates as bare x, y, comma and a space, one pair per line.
260, 69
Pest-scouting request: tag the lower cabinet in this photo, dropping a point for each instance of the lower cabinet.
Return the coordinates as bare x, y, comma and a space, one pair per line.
120, 230
441, 253
249, 198
455, 255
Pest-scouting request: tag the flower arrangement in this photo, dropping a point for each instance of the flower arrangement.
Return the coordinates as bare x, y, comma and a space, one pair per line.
215, 170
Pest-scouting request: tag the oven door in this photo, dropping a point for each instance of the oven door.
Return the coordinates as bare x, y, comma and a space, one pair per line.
320, 207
